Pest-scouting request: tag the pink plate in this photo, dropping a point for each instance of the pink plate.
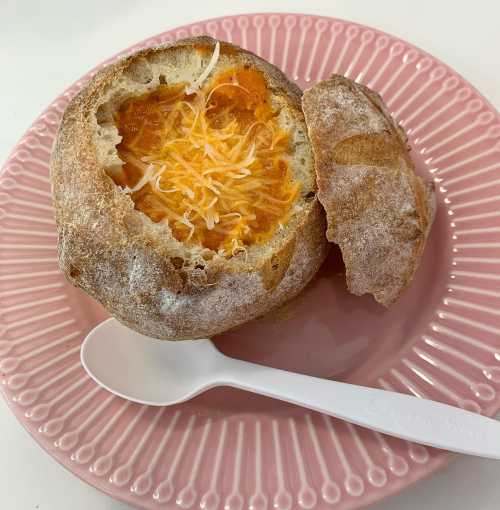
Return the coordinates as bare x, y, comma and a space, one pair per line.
228, 449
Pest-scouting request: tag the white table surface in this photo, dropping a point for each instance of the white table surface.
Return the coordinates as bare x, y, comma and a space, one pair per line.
45, 46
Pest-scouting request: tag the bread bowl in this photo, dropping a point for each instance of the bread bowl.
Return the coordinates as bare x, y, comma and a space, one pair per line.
138, 224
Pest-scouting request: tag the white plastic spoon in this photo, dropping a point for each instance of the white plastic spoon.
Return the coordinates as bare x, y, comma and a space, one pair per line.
157, 373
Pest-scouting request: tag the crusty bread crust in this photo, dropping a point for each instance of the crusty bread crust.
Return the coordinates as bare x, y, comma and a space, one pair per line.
133, 266
378, 211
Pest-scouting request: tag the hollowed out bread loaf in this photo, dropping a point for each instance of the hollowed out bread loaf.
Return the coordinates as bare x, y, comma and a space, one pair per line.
144, 276
378, 210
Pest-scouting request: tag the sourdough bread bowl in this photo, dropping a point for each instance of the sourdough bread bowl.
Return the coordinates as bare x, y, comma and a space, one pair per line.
184, 189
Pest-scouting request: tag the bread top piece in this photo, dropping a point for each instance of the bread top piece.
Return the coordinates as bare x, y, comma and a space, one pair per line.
378, 211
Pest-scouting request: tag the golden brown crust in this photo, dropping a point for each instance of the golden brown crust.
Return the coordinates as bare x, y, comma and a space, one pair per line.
378, 211
129, 264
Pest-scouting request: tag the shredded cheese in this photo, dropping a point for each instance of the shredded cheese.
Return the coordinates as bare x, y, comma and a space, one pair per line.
209, 160
204, 75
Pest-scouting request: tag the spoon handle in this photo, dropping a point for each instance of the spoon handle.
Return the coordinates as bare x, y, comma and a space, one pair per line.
404, 416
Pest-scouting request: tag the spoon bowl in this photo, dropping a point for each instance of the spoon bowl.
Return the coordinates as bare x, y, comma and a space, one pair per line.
146, 370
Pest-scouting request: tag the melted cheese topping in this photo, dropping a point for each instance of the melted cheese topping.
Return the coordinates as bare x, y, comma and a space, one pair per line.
208, 160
